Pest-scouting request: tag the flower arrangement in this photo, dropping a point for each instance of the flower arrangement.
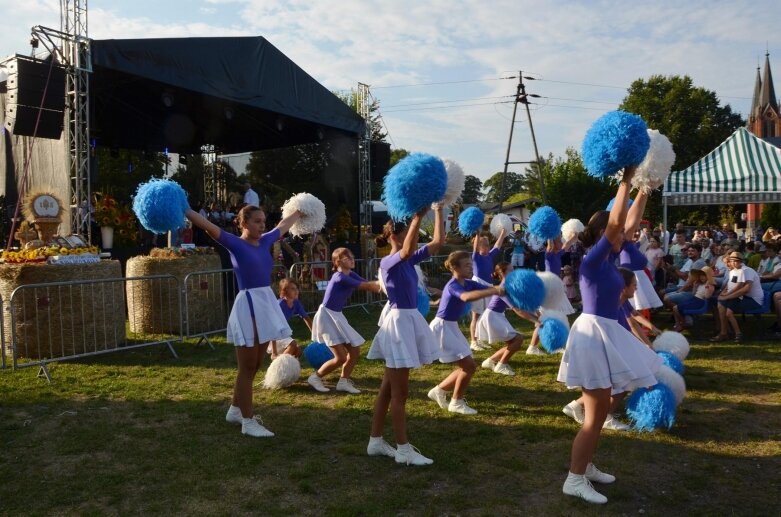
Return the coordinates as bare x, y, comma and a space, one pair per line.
43, 253
109, 212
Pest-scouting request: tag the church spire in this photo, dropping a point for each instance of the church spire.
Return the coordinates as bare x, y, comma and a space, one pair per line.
755, 99
767, 96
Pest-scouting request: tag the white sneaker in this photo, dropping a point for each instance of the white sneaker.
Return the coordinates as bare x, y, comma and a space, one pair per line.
611, 422
347, 385
504, 369
251, 427
596, 475
233, 416
439, 396
533, 350
316, 382
575, 411
579, 486
409, 455
380, 448
460, 406
489, 363
476, 346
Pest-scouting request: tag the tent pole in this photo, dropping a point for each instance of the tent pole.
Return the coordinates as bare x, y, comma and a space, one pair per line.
664, 217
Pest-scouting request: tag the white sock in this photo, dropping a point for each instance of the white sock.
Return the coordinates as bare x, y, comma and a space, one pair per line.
403, 447
375, 439
574, 477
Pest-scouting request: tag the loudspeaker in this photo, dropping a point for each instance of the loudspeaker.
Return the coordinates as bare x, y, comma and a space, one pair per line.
25, 86
379, 156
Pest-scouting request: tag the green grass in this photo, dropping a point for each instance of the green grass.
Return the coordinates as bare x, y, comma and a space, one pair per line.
141, 432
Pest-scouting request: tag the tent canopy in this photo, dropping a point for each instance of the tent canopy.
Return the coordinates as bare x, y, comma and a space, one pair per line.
742, 169
240, 94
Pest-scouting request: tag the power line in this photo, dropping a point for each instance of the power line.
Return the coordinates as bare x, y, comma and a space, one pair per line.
453, 106
448, 101
441, 83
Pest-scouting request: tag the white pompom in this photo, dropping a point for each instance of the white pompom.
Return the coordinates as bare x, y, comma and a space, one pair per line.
534, 242
547, 314
455, 182
571, 228
554, 289
381, 282
421, 277
282, 372
672, 380
313, 213
501, 222
656, 166
673, 342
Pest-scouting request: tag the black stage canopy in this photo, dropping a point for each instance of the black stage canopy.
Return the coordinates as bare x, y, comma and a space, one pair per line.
239, 94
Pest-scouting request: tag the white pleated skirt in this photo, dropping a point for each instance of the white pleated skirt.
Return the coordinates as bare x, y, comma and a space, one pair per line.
453, 346
404, 340
331, 327
479, 306
494, 327
385, 310
270, 323
600, 354
645, 295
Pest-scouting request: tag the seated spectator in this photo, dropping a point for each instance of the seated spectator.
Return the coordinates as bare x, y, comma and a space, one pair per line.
654, 255
770, 269
770, 235
753, 254
742, 292
681, 292
703, 286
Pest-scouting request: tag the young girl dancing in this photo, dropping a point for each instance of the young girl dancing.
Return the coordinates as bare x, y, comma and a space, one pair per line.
493, 326
256, 317
331, 327
452, 343
291, 306
404, 340
483, 266
629, 317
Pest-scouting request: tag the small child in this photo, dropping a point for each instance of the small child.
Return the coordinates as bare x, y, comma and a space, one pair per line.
570, 285
632, 319
483, 263
331, 327
291, 306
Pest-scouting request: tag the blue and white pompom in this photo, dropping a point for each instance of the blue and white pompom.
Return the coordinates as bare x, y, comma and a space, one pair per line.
553, 335
501, 222
672, 380
616, 140
312, 211
571, 229
317, 354
545, 223
670, 360
656, 166
653, 408
554, 290
673, 342
417, 181
424, 301
456, 180
160, 205
470, 221
613, 202
534, 242
524, 289
546, 314
283, 371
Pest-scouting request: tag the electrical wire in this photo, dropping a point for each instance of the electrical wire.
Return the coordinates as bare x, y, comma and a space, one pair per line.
450, 100
441, 83
453, 106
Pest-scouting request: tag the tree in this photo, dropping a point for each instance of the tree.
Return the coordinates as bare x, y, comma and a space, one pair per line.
512, 184
396, 155
473, 190
378, 133
119, 172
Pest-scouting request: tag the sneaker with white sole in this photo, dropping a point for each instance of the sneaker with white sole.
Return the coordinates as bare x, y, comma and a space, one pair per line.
533, 350
252, 427
316, 382
439, 396
380, 447
233, 416
475, 346
347, 386
460, 406
407, 454
575, 411
489, 363
579, 486
614, 424
597, 476
504, 369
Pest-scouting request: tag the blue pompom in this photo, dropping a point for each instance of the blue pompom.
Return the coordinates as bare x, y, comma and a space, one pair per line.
160, 205
613, 202
553, 335
671, 362
467, 312
545, 223
616, 140
470, 221
412, 184
423, 301
525, 289
653, 408
317, 354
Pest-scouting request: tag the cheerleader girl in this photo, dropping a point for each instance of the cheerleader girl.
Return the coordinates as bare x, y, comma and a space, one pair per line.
404, 340
453, 346
493, 326
483, 266
291, 306
632, 258
601, 356
631, 319
331, 327
256, 317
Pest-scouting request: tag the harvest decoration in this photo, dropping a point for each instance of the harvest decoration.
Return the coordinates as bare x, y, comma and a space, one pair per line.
43, 253
108, 212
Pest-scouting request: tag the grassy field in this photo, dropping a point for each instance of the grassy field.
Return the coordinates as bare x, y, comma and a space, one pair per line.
141, 432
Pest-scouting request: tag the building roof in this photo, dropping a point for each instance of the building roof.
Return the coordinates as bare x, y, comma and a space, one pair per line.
767, 97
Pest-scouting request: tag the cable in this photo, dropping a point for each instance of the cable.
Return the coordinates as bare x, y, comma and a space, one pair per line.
453, 106
451, 100
440, 83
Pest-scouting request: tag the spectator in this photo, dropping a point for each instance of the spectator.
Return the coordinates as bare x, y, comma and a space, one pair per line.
250, 196
707, 254
741, 293
519, 249
770, 235
654, 254
682, 292
753, 255
770, 270
677, 248
702, 285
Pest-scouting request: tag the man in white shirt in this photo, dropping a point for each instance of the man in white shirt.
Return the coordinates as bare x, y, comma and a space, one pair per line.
250, 196
742, 292
682, 293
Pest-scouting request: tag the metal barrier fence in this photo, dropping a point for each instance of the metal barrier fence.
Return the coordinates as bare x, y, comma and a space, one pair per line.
208, 299
2, 333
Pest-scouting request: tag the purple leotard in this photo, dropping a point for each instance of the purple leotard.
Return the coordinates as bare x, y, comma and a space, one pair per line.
339, 289
553, 261
296, 309
483, 265
252, 264
499, 303
401, 279
451, 306
631, 257
624, 313
600, 282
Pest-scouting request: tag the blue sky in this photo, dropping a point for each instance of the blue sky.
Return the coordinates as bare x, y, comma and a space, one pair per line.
583, 54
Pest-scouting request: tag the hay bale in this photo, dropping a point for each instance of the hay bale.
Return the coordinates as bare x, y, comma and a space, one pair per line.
62, 321
154, 305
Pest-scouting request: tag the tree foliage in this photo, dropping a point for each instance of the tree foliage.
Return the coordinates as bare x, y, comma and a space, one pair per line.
396, 155
378, 133
119, 172
473, 190
513, 183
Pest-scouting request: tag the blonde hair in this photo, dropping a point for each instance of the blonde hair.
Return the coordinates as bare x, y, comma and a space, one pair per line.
455, 258
337, 254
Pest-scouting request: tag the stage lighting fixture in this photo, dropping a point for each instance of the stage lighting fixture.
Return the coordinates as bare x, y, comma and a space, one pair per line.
228, 112
168, 99
280, 124
320, 133
183, 159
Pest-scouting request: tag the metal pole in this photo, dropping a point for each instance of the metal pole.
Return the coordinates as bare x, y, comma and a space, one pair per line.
534, 141
509, 142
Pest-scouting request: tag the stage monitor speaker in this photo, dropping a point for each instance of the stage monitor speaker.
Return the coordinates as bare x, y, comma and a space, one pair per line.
380, 160
25, 85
